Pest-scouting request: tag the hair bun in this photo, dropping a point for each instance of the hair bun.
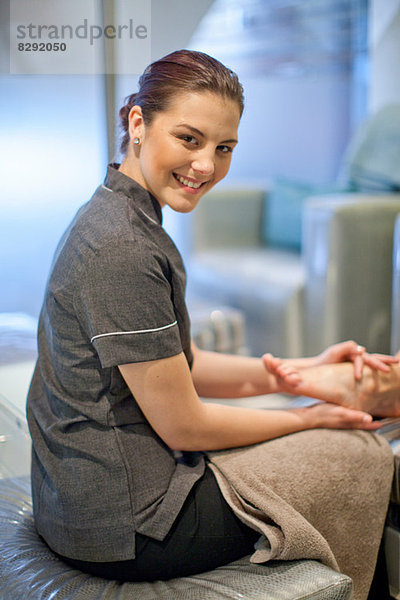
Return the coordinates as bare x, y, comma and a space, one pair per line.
125, 110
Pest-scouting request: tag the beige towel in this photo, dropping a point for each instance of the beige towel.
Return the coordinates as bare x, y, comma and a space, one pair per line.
320, 494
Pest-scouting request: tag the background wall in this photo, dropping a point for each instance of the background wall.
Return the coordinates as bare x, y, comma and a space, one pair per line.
52, 152
294, 127
303, 67
384, 42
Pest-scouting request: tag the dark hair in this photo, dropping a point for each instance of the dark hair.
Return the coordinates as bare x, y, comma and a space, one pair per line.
183, 70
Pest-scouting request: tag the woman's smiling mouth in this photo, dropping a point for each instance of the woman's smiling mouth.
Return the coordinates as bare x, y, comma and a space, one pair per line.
187, 182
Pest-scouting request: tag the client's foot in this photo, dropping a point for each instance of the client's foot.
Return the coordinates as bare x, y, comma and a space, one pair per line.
377, 393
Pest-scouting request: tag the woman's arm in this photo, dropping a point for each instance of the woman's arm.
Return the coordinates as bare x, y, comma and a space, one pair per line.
165, 392
217, 375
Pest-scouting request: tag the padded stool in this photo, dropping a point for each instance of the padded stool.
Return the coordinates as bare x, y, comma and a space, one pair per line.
30, 571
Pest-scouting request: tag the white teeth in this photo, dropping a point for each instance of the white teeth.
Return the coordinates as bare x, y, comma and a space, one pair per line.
187, 182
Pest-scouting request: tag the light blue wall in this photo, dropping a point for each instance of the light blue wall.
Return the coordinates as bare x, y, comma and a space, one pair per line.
303, 68
52, 156
296, 127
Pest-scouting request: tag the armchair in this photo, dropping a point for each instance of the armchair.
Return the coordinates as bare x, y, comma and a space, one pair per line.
230, 266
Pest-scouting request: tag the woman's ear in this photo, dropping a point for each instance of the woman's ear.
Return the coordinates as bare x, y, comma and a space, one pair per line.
136, 125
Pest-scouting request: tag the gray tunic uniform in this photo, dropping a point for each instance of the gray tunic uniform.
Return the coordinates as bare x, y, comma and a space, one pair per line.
115, 295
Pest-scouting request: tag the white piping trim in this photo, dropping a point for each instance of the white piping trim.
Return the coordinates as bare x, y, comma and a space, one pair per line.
95, 337
106, 188
146, 215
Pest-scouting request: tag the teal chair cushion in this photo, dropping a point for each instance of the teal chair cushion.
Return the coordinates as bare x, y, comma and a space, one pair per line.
283, 211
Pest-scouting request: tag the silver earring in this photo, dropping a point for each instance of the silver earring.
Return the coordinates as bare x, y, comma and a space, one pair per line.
136, 140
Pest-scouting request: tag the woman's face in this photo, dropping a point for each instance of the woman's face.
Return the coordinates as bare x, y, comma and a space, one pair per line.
185, 150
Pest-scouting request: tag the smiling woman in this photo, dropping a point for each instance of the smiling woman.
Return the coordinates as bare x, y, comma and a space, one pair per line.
185, 150
183, 122
120, 478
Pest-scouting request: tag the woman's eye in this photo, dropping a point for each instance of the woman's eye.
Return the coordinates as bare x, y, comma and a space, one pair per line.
225, 149
189, 139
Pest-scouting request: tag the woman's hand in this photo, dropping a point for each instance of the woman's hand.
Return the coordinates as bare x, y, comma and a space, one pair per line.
353, 352
288, 371
332, 416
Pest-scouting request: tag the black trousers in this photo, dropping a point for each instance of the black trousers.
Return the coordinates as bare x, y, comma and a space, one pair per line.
206, 535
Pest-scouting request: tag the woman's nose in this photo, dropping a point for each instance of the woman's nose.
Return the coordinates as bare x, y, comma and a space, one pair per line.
204, 164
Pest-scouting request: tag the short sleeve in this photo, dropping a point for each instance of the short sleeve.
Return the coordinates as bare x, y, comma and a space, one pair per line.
125, 304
